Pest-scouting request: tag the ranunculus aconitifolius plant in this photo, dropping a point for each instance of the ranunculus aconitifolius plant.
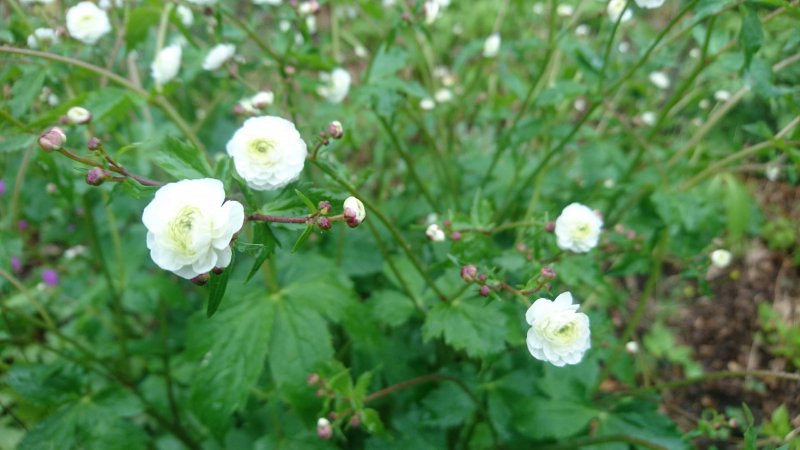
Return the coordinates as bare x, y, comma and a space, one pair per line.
559, 334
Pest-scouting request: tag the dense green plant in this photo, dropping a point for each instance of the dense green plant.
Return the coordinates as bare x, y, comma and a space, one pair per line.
469, 128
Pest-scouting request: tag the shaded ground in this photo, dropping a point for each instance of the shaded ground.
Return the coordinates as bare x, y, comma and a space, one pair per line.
723, 329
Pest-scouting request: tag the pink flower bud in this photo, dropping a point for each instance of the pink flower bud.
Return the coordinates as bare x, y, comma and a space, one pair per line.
482, 277
324, 207
324, 223
94, 144
313, 379
218, 270
548, 272
484, 291
96, 176
201, 279
456, 236
335, 129
469, 273
52, 139
355, 421
550, 227
324, 429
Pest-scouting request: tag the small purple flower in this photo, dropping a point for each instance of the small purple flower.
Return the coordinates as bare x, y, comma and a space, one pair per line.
2, 187
16, 264
22, 225
50, 277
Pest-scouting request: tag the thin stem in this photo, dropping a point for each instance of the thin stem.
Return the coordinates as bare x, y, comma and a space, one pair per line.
278, 219
420, 380
159, 101
412, 256
607, 52
397, 273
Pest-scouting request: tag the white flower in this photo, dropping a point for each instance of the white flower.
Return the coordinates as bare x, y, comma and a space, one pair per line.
185, 14
311, 24
427, 104
704, 104
247, 106
262, 99
166, 64
87, 23
44, 2
218, 56
388, 3
492, 45
565, 10
624, 47
695, 53
78, 115
306, 8
268, 152
772, 172
580, 104
538, 8
284, 26
354, 211
190, 226
42, 36
431, 9
721, 258
617, 8
268, 2
335, 85
360, 51
649, 4
435, 233
52, 100
108, 4
443, 95
722, 95
74, 252
559, 334
582, 30
648, 118
203, 2
632, 347
578, 228
659, 79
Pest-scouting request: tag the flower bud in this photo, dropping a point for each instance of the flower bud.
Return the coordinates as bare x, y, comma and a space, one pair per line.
313, 379
16, 264
96, 176
50, 277
324, 223
22, 225
2, 188
435, 233
324, 429
218, 270
456, 236
52, 139
51, 188
469, 273
354, 212
335, 129
78, 115
324, 207
550, 227
721, 258
94, 144
548, 272
632, 347
201, 279
262, 99
482, 277
484, 291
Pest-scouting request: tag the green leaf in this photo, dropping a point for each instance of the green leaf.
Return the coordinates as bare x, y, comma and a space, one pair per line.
16, 142
479, 330
737, 205
180, 159
541, 418
217, 286
25, 90
230, 351
372, 421
306, 200
139, 23
300, 342
265, 239
134, 190
751, 34
448, 406
302, 239
391, 307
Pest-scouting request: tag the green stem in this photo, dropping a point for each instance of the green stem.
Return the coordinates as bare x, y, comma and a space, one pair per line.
711, 376
387, 223
403, 283
420, 380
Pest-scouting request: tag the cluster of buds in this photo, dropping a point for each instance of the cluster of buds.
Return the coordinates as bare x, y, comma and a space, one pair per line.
437, 233
525, 250
469, 274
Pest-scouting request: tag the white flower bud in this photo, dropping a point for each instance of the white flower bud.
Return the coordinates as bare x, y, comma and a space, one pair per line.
166, 64
559, 334
78, 115
218, 56
582, 30
87, 23
722, 95
435, 233
565, 10
632, 347
203, 2
42, 36
354, 211
268, 2
267, 152
443, 95
427, 104
772, 172
431, 9
659, 79
185, 15
649, 4
262, 99
578, 228
190, 227
649, 118
616, 8
335, 85
721, 258
695, 53
492, 45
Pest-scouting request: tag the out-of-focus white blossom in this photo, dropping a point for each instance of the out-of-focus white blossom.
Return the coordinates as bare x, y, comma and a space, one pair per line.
578, 228
773, 171
649, 4
443, 95
190, 227
203, 2
166, 64
565, 10
722, 95
659, 79
335, 85
78, 115
427, 104
491, 46
87, 23
559, 334
648, 118
624, 47
721, 258
616, 8
219, 55
435, 233
263, 99
267, 152
42, 37
582, 30
268, 2
185, 14
431, 9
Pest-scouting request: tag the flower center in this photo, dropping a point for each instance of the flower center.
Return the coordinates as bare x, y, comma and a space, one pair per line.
180, 229
264, 151
581, 231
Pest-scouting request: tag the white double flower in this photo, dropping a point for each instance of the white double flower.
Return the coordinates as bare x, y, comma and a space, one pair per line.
559, 334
